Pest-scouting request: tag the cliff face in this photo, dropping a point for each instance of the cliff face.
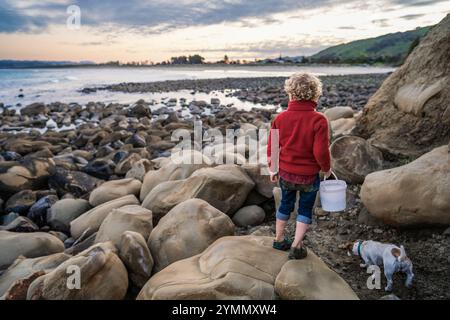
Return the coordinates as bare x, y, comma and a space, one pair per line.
410, 114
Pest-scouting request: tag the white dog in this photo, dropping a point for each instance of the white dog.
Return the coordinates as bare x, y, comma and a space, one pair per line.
392, 258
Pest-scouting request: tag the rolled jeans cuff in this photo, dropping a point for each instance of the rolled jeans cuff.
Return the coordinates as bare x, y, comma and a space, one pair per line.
282, 216
304, 219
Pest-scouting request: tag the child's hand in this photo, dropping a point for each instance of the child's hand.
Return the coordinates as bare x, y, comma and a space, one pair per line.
327, 174
274, 177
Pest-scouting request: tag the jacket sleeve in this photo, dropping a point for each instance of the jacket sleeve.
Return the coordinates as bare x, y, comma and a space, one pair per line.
321, 144
273, 138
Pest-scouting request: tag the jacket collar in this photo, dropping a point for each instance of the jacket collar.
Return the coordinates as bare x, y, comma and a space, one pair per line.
301, 105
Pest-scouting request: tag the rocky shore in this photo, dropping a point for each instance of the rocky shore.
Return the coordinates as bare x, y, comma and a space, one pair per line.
104, 189
353, 91
79, 187
347, 90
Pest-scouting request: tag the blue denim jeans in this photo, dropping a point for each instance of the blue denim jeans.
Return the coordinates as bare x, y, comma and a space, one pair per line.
306, 203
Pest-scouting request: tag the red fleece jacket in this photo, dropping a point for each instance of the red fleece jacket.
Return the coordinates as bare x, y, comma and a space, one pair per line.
303, 139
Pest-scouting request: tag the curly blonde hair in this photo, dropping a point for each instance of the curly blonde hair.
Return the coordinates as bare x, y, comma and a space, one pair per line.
303, 86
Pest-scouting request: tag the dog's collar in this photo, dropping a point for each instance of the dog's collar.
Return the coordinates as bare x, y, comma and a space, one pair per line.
359, 248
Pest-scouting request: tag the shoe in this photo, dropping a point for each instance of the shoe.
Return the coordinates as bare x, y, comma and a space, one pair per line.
298, 253
284, 245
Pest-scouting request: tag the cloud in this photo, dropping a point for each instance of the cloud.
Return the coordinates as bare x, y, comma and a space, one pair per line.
411, 16
303, 45
12, 20
416, 3
87, 43
256, 22
381, 22
158, 14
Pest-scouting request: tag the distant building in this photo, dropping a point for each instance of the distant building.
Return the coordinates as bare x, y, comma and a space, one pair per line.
282, 60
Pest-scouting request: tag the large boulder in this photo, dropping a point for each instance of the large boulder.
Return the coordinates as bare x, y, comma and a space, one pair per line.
29, 245
353, 158
160, 162
102, 168
187, 230
139, 169
342, 127
90, 221
38, 211
102, 277
311, 279
225, 187
74, 247
25, 267
70, 161
336, 113
76, 183
246, 127
255, 198
64, 211
235, 267
127, 163
135, 254
417, 193
19, 289
8, 218
21, 146
25, 174
21, 202
266, 231
410, 114
34, 109
114, 189
176, 168
261, 177
20, 224
126, 218
140, 109
216, 150
229, 158
249, 216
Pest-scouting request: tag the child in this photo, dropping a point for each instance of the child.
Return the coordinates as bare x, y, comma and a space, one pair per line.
299, 148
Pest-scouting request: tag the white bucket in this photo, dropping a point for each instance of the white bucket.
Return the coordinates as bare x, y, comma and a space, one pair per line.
333, 194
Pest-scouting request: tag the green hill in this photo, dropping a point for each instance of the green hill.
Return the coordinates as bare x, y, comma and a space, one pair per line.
391, 48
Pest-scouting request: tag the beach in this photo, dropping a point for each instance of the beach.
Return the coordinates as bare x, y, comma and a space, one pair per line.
170, 87
72, 147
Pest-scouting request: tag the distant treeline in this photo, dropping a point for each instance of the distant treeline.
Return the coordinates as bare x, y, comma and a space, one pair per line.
195, 59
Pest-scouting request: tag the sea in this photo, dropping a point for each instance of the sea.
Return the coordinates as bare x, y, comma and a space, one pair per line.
20, 87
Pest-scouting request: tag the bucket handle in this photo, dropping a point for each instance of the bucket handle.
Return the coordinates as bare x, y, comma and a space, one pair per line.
332, 174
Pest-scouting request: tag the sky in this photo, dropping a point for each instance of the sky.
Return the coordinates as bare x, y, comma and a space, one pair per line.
155, 30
